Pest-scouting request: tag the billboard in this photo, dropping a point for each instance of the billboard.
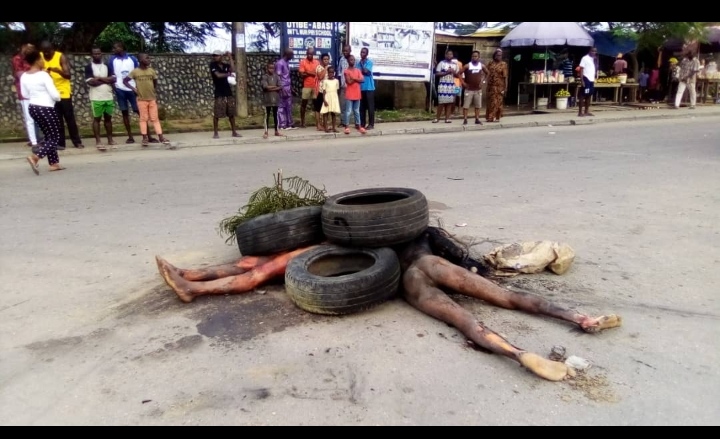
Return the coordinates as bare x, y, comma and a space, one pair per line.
299, 35
400, 51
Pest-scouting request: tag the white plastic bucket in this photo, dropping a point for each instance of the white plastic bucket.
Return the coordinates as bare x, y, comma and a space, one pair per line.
561, 103
542, 102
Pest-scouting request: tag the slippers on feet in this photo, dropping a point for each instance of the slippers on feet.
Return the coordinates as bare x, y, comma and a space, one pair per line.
236, 135
129, 141
101, 147
33, 165
145, 143
56, 168
265, 136
216, 136
435, 121
448, 121
166, 141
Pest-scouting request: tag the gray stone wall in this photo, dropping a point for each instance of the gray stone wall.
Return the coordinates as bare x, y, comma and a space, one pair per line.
185, 88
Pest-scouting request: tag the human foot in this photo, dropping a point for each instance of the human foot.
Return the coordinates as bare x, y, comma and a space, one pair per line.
57, 167
594, 325
34, 164
544, 368
174, 279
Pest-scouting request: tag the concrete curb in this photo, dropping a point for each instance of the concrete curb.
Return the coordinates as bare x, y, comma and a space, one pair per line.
444, 129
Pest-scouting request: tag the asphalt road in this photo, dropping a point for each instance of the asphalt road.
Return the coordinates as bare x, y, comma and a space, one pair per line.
92, 336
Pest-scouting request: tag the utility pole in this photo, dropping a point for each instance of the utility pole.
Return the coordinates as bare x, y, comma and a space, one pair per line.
238, 43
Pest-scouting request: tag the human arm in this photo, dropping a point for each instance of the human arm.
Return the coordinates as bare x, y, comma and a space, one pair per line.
215, 71
440, 71
506, 76
90, 78
126, 81
367, 68
155, 79
111, 78
64, 69
50, 87
265, 84
18, 67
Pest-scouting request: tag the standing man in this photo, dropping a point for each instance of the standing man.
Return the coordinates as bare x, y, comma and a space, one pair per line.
122, 64
689, 68
21, 66
308, 74
588, 74
282, 68
56, 64
367, 101
100, 79
474, 73
225, 105
342, 66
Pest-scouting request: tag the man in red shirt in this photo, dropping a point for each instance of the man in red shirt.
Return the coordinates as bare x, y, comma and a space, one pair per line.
308, 73
20, 66
353, 94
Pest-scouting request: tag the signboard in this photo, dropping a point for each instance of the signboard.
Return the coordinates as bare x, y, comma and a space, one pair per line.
300, 35
400, 51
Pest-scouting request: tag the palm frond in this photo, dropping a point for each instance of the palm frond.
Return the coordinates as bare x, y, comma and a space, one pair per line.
271, 199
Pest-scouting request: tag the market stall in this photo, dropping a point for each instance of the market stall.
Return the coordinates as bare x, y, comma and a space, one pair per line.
543, 35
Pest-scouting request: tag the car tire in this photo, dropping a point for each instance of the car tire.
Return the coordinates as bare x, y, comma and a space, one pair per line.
280, 231
381, 217
334, 280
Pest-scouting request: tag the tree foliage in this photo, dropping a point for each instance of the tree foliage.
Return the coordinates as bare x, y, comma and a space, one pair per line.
80, 36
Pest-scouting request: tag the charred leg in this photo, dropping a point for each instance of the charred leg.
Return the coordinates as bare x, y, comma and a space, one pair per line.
187, 291
470, 284
243, 265
420, 291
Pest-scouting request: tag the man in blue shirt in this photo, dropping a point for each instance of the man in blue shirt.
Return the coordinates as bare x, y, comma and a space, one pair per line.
367, 88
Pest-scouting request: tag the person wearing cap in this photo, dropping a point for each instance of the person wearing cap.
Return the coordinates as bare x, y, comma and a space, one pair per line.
620, 65
225, 105
673, 79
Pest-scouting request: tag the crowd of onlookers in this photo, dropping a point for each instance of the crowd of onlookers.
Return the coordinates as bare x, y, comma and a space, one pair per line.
337, 95
44, 89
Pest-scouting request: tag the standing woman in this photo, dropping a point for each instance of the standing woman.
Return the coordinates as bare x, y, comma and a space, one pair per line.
38, 87
447, 70
497, 84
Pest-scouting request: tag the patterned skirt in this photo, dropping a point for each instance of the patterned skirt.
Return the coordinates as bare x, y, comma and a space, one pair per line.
446, 92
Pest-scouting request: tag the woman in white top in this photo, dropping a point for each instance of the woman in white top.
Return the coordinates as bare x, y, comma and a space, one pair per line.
37, 86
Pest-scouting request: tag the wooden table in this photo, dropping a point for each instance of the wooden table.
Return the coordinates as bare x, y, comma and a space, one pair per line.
548, 85
633, 87
704, 87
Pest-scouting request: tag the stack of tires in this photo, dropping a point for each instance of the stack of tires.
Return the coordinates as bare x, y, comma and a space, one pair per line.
355, 266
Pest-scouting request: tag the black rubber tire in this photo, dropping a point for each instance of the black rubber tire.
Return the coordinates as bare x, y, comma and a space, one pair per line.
333, 280
281, 231
382, 217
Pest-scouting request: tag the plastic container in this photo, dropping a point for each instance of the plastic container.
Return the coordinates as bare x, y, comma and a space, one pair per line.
542, 102
561, 103
622, 77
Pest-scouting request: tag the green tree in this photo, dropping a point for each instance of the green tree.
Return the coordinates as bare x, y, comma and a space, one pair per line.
80, 36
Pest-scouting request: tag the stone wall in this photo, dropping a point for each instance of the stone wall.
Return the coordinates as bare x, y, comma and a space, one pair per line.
185, 88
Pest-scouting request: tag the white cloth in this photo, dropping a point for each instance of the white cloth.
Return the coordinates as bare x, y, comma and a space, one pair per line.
39, 89
588, 65
681, 91
102, 92
29, 121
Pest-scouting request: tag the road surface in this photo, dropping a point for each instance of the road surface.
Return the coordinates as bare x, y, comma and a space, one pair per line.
92, 336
